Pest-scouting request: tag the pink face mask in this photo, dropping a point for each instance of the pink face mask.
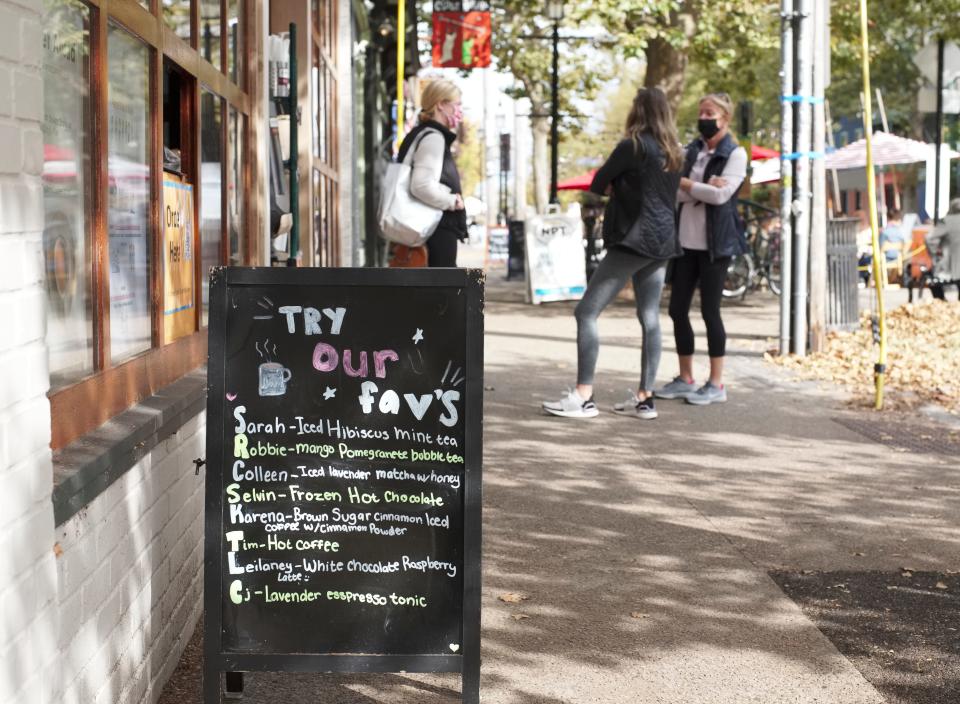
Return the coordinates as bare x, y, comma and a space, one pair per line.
455, 117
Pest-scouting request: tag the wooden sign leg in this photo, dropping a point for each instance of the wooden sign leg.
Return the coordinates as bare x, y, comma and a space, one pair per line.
470, 680
211, 686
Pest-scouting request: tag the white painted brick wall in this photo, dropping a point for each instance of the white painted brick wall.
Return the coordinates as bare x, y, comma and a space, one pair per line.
97, 610
131, 578
28, 576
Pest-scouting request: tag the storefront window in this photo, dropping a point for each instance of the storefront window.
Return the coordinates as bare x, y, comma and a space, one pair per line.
234, 40
129, 194
211, 184
176, 13
210, 31
66, 189
234, 189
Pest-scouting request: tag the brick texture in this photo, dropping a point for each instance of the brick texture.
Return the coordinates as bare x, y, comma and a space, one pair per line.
100, 608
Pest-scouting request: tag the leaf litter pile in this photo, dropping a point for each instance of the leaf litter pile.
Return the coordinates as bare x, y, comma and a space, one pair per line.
923, 358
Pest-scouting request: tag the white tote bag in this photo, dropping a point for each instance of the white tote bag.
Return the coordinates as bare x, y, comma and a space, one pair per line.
402, 218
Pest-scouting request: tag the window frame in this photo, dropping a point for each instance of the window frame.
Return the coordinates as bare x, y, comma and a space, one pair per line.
86, 404
325, 152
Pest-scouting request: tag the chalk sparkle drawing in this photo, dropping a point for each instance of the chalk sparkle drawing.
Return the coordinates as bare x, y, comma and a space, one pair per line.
273, 375
455, 378
231, 397
329, 394
418, 336
267, 305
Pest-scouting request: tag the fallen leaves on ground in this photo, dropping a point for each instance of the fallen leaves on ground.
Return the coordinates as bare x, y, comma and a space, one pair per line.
512, 598
923, 358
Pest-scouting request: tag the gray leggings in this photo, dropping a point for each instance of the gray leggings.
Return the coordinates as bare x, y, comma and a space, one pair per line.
610, 277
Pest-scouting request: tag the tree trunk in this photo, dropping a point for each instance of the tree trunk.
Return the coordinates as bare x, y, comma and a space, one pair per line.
540, 126
666, 70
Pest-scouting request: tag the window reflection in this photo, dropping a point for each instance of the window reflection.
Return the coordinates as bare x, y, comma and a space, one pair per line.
210, 31
176, 13
129, 194
234, 187
66, 189
234, 40
211, 185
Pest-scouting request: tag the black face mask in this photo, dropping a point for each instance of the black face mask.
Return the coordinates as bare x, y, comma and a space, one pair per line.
708, 128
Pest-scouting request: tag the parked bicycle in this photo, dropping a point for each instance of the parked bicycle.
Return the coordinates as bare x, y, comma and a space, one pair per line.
761, 263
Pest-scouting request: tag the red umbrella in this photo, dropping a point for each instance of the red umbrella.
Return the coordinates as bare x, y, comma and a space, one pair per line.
577, 183
757, 152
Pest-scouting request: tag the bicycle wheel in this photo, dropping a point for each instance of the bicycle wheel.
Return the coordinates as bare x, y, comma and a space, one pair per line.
740, 273
773, 276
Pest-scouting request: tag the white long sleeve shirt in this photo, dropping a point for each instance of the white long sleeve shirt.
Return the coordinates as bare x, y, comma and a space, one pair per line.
427, 166
693, 218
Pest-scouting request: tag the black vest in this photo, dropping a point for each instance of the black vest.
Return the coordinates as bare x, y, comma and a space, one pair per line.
725, 227
641, 212
452, 220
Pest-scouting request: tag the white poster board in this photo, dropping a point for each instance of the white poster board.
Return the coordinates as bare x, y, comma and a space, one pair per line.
556, 264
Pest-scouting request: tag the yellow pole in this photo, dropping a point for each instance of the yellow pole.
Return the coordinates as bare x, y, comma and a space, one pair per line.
401, 55
879, 271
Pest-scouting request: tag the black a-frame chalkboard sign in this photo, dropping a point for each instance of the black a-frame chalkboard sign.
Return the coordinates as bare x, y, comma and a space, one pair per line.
343, 487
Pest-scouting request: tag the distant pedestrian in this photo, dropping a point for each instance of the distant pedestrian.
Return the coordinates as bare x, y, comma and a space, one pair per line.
943, 244
891, 241
435, 179
641, 177
711, 233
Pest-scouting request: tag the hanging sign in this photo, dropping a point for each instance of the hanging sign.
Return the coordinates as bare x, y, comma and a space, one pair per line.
461, 33
178, 281
343, 472
556, 260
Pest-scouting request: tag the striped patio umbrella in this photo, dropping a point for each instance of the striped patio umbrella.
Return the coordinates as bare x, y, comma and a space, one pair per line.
888, 150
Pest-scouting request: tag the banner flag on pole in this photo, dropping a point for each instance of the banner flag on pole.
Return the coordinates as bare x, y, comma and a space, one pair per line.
461, 33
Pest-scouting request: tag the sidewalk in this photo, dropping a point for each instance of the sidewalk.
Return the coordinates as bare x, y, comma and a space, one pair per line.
643, 547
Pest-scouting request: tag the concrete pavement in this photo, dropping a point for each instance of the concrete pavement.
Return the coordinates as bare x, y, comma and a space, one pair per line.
643, 546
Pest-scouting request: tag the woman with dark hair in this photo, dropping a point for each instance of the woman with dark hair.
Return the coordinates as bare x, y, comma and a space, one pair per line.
711, 232
639, 231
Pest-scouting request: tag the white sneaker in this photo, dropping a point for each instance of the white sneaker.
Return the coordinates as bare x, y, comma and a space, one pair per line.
633, 406
571, 406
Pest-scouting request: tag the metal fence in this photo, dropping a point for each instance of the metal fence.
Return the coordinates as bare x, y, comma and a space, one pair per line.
842, 297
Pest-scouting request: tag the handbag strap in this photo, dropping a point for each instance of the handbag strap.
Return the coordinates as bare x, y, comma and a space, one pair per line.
408, 157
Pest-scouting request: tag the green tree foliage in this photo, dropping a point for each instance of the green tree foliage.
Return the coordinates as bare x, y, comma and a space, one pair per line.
521, 46
897, 29
724, 38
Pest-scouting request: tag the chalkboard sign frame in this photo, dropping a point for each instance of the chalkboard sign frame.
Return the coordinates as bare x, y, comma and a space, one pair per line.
467, 662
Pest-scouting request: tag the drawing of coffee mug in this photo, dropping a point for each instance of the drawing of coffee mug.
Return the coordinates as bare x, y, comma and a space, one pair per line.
273, 379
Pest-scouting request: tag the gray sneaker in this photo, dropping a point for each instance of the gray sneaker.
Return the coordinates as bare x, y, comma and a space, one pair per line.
677, 388
707, 394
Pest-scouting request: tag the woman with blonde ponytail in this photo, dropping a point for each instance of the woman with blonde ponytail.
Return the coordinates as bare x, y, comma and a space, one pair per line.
711, 232
435, 179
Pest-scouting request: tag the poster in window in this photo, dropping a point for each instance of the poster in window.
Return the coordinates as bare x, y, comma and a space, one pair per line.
178, 276
461, 33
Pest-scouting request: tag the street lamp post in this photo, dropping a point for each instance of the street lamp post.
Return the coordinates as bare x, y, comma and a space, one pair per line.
555, 14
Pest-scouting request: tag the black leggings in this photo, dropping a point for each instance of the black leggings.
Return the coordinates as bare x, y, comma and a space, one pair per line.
692, 268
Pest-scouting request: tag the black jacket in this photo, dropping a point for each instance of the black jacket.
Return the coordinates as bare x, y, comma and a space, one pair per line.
725, 227
641, 213
453, 221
